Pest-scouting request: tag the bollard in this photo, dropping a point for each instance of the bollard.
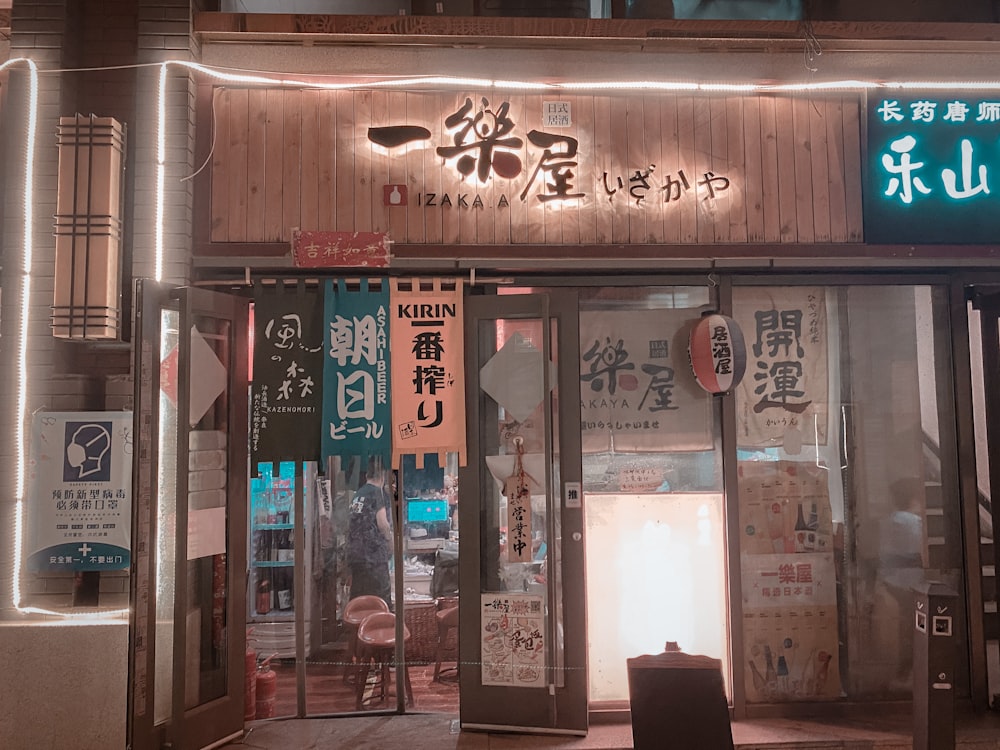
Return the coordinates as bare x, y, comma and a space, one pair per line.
934, 653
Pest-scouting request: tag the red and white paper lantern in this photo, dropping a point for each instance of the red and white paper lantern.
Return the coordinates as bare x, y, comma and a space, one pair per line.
718, 353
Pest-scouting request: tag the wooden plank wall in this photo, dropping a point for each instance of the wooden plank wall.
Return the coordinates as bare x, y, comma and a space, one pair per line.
286, 158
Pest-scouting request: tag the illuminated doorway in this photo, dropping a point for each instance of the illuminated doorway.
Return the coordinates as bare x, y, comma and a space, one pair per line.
653, 490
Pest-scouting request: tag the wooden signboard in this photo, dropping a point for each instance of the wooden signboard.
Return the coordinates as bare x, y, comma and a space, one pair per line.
485, 168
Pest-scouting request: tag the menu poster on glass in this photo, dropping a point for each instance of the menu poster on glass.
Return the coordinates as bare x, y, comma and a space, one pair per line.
789, 582
285, 409
784, 508
513, 640
792, 653
80, 473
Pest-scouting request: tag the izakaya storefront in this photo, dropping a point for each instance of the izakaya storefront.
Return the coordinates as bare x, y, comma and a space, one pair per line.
495, 294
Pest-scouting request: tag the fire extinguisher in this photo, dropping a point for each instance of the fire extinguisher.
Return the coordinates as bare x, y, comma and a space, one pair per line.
267, 689
250, 680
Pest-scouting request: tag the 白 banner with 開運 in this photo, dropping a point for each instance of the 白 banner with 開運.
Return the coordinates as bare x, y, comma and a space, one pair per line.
428, 400
356, 362
784, 396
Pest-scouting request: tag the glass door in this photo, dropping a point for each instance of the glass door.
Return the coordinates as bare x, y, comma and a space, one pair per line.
654, 500
522, 613
187, 644
984, 314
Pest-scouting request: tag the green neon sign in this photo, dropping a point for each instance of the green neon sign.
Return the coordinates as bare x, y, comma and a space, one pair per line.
933, 170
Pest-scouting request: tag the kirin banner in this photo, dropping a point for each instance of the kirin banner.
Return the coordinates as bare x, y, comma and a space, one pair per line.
428, 404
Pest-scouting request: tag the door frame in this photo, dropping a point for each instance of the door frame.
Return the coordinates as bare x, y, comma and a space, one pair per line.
217, 720
499, 707
984, 298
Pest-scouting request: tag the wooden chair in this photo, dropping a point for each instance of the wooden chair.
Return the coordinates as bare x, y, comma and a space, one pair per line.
377, 648
355, 612
447, 620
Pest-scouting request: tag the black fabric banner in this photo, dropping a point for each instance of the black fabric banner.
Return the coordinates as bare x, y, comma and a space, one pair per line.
286, 392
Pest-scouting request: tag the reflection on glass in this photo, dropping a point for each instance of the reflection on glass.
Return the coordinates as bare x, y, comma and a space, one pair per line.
341, 677
652, 471
166, 509
845, 479
520, 629
979, 415
207, 562
271, 602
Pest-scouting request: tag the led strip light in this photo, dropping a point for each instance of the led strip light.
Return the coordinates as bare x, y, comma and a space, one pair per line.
21, 413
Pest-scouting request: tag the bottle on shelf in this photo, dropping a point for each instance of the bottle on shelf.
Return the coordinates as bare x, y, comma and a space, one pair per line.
812, 535
285, 575
770, 676
813, 522
285, 579
801, 532
285, 545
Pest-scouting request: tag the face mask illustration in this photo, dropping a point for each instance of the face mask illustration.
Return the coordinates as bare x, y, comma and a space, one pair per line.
87, 449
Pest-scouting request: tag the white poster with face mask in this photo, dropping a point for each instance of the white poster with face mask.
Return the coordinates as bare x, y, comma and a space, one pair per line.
79, 505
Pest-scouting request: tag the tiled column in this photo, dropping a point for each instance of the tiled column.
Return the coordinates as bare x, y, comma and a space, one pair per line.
39, 31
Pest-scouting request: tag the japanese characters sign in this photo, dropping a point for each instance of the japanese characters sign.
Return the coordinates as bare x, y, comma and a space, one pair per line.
789, 580
482, 140
513, 640
340, 249
356, 366
785, 386
287, 367
718, 353
80, 476
518, 494
428, 405
561, 169
635, 383
933, 169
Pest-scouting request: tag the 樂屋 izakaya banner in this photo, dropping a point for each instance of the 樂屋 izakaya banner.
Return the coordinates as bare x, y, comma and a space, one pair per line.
80, 475
428, 400
636, 385
785, 388
356, 366
287, 367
